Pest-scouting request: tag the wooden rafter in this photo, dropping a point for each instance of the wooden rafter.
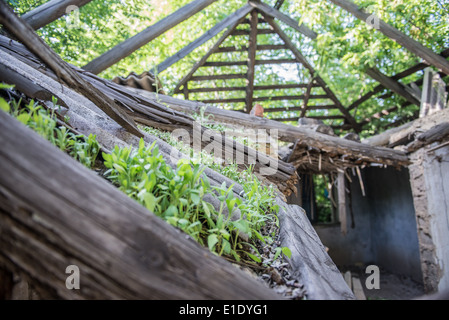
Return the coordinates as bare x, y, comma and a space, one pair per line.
417, 67
410, 44
306, 99
393, 85
275, 13
251, 60
203, 60
50, 11
125, 48
258, 48
301, 59
215, 30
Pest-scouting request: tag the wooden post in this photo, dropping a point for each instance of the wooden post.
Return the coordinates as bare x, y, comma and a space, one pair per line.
342, 201
412, 45
50, 11
433, 93
251, 60
130, 45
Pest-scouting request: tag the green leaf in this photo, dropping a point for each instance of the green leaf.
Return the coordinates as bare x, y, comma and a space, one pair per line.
255, 258
150, 201
212, 240
195, 198
4, 105
287, 252
24, 118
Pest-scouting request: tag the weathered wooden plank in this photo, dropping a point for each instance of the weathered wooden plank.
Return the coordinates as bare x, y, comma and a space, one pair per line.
218, 77
393, 85
130, 45
412, 45
434, 134
310, 262
244, 63
322, 107
263, 47
268, 98
342, 202
358, 289
122, 250
326, 143
433, 93
247, 32
310, 116
50, 11
252, 43
36, 45
273, 12
257, 88
215, 30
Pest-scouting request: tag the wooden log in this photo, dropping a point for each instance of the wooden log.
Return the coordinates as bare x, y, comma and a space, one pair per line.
244, 63
405, 133
121, 249
225, 23
392, 85
251, 60
50, 11
36, 45
310, 262
412, 45
437, 133
130, 45
288, 133
273, 12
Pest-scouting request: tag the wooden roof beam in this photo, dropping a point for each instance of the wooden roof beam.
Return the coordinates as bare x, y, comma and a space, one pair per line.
50, 11
215, 30
275, 13
203, 60
125, 48
410, 44
301, 59
393, 85
251, 60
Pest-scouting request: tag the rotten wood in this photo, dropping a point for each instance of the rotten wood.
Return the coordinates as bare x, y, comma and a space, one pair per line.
122, 250
329, 144
63, 71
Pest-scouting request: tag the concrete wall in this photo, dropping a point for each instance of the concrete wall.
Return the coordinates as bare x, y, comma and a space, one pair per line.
385, 230
430, 182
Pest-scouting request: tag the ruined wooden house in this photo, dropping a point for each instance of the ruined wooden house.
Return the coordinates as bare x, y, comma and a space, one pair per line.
387, 194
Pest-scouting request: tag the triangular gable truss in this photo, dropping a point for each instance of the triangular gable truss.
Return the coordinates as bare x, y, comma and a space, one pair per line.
315, 81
